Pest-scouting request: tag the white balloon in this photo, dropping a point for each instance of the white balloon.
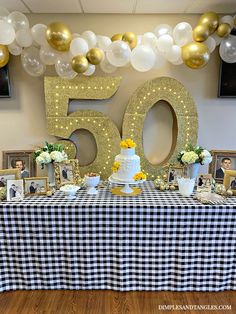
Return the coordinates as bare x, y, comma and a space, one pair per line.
78, 46
63, 67
107, 67
18, 20
179, 61
174, 54
210, 43
15, 49
142, 58
48, 55
90, 37
164, 43
103, 42
228, 49
39, 34
7, 33
162, 29
160, 61
182, 34
3, 13
24, 37
90, 71
217, 38
118, 53
31, 62
227, 19
149, 39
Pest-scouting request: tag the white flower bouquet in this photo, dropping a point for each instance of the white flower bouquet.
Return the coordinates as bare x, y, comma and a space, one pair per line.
194, 154
50, 153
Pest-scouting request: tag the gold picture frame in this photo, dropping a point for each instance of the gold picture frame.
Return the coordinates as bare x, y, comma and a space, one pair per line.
36, 186
9, 159
8, 174
215, 165
171, 178
67, 172
230, 180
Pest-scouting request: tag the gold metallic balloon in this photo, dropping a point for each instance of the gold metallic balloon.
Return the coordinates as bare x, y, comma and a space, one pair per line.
223, 30
131, 39
80, 64
211, 20
95, 56
58, 36
195, 55
200, 33
116, 37
4, 55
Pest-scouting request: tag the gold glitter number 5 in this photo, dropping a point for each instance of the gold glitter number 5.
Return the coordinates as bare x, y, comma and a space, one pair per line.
61, 124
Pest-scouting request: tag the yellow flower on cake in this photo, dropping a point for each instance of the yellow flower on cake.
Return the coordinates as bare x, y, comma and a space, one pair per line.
115, 166
140, 176
128, 143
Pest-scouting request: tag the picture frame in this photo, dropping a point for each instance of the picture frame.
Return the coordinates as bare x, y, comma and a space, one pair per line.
15, 190
173, 173
67, 172
8, 174
222, 160
36, 186
230, 180
204, 182
23, 159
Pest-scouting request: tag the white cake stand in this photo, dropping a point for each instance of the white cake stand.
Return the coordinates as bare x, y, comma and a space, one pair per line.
126, 189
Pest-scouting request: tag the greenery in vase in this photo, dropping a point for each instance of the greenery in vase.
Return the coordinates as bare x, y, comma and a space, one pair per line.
49, 153
194, 154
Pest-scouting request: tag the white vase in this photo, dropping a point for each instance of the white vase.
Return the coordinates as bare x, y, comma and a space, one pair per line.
193, 170
51, 174
186, 186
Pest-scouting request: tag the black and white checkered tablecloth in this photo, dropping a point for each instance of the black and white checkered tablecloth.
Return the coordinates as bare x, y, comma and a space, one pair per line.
155, 241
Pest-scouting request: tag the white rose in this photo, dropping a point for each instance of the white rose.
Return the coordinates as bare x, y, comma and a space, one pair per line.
46, 157
189, 157
56, 156
206, 157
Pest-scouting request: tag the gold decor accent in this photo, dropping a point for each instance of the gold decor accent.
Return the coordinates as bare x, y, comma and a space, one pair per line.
210, 20
195, 55
185, 128
200, 33
117, 191
58, 36
131, 39
57, 94
80, 64
74, 165
223, 30
116, 37
4, 55
95, 56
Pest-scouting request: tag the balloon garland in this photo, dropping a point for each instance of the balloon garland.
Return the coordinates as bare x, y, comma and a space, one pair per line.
73, 54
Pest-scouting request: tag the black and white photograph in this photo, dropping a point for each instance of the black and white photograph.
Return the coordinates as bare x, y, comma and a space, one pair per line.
21, 160
222, 161
36, 185
15, 190
204, 182
8, 174
66, 173
174, 173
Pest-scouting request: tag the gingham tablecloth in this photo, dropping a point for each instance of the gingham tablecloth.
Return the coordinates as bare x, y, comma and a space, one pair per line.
155, 241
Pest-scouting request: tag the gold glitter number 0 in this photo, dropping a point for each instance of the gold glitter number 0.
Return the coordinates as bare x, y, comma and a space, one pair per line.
60, 124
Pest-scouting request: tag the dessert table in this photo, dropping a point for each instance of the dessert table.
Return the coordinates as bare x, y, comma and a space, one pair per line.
154, 241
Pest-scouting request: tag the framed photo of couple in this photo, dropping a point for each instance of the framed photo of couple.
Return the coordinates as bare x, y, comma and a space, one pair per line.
67, 172
222, 161
36, 185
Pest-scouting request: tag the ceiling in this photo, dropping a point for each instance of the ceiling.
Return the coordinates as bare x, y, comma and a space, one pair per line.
121, 6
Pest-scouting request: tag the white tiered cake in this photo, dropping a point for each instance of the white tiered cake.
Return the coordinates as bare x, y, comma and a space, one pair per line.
126, 165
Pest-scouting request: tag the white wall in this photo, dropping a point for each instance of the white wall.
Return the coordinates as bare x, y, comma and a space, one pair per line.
23, 123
